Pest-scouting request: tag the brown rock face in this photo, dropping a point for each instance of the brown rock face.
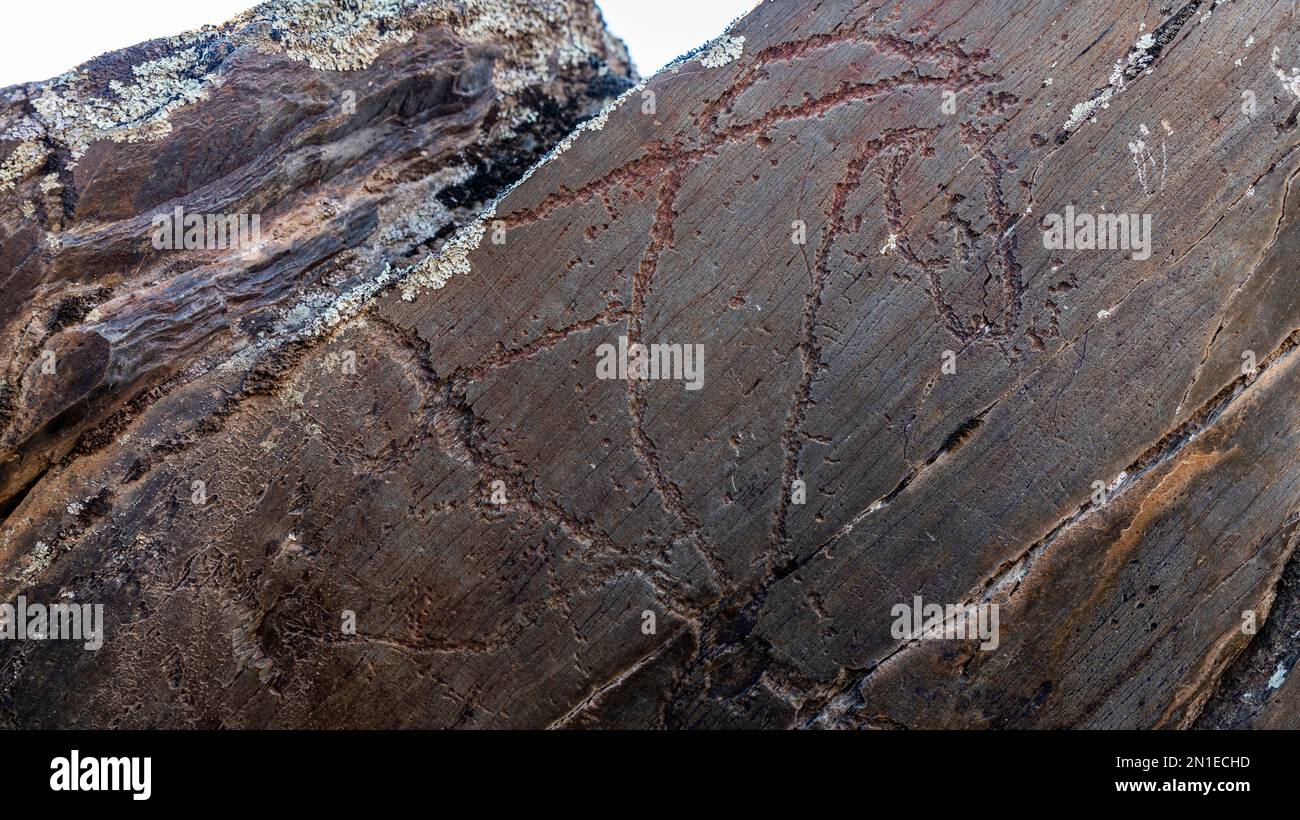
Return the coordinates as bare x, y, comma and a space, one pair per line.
346, 171
941, 305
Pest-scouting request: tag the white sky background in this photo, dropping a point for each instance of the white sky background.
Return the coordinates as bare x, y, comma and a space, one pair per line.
43, 39
657, 31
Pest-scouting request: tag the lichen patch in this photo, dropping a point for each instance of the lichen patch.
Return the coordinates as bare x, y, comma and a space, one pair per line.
330, 36
435, 270
1290, 81
134, 111
723, 51
1138, 59
25, 159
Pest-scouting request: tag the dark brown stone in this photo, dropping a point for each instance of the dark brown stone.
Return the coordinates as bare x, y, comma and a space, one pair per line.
501, 520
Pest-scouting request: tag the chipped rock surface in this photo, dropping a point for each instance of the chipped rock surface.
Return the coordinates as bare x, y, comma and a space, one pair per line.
352, 166
394, 410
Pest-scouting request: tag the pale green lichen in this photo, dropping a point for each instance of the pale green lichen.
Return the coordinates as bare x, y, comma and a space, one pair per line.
25, 128
517, 24
326, 34
435, 270
1278, 677
25, 159
38, 560
134, 112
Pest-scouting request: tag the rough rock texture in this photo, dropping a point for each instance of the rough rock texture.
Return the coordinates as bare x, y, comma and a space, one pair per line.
361, 134
1109, 455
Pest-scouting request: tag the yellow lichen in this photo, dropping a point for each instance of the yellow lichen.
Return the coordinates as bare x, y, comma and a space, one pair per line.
27, 157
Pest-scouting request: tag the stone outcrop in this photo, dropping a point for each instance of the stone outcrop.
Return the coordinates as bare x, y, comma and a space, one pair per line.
375, 471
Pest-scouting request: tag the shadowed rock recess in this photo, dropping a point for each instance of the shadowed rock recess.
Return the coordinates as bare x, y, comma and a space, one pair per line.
374, 468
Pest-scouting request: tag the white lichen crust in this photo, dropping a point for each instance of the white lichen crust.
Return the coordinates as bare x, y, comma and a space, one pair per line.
1139, 58
435, 270
133, 112
72, 110
1290, 81
126, 98
725, 50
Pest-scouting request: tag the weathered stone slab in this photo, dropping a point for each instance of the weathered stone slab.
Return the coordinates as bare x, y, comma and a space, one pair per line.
908, 389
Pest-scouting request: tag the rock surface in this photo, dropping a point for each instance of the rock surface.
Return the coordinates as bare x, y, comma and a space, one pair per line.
395, 411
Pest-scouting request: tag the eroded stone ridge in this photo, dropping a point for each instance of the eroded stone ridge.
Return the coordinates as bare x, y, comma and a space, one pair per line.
419, 501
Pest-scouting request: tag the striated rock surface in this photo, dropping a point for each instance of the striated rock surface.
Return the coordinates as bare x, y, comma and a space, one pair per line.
373, 472
359, 134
